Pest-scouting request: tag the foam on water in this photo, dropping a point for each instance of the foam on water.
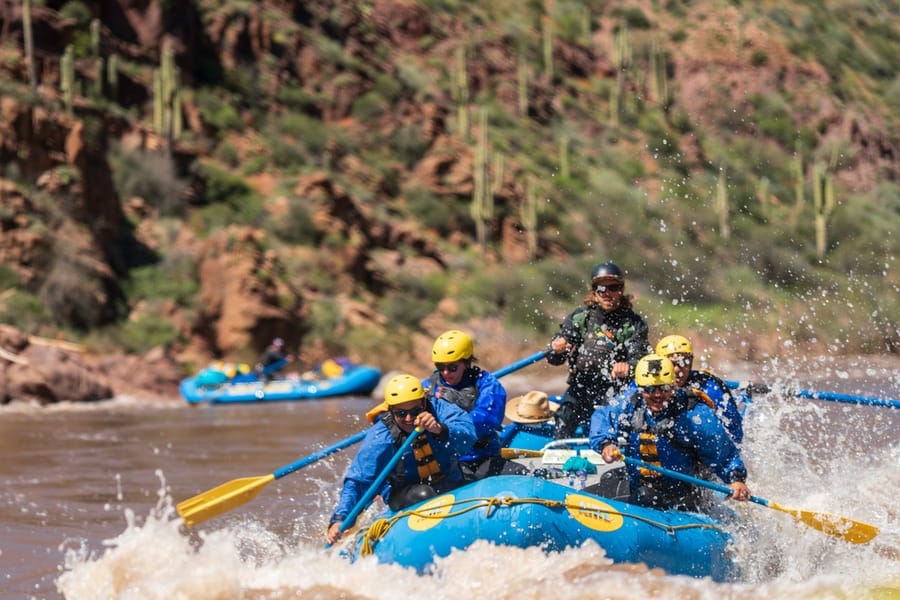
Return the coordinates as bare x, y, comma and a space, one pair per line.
778, 557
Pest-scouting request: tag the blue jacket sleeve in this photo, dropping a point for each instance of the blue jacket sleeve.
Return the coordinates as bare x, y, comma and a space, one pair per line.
487, 414
374, 454
714, 446
605, 426
461, 430
726, 408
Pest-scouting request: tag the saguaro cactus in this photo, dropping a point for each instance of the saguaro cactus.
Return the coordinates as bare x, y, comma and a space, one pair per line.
166, 95
659, 79
522, 81
762, 194
95, 33
67, 78
528, 214
823, 203
722, 204
28, 36
459, 90
547, 44
482, 208
622, 55
564, 143
112, 76
797, 172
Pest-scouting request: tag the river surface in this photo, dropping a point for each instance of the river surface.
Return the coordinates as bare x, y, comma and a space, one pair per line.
88, 493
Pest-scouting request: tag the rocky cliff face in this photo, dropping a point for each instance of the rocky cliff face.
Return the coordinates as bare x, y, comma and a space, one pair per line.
72, 240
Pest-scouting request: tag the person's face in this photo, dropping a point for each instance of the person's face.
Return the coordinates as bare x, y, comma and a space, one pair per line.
451, 372
657, 397
405, 414
682, 364
609, 294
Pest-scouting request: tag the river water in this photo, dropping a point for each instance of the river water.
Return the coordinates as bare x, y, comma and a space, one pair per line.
88, 493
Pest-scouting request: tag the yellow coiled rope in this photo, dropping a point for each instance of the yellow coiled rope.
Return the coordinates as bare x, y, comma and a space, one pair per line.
379, 528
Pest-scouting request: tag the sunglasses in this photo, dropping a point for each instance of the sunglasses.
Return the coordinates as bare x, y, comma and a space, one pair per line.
680, 360
402, 413
448, 367
614, 287
650, 390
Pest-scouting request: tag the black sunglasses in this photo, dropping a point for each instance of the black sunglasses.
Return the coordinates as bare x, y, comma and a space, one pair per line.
614, 287
680, 360
449, 367
651, 389
402, 413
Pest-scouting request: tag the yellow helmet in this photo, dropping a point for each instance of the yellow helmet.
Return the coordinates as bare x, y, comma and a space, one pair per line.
674, 344
403, 388
451, 346
654, 370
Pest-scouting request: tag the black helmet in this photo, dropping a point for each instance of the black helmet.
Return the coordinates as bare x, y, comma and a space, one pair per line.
607, 270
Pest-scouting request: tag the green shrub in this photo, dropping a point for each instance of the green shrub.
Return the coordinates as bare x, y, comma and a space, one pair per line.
373, 347
445, 214
416, 79
325, 318
228, 154
368, 107
148, 175
759, 58
634, 17
287, 154
309, 133
230, 199
137, 336
175, 278
77, 11
24, 311
254, 165
217, 111
9, 277
75, 295
413, 300
410, 143
296, 227
243, 81
224, 188
296, 98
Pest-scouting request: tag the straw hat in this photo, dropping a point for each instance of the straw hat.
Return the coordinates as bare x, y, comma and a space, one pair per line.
533, 407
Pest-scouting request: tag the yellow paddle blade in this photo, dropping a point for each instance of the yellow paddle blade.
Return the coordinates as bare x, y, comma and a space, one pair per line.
842, 527
519, 453
221, 499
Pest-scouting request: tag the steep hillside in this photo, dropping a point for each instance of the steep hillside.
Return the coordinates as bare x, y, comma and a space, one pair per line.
357, 176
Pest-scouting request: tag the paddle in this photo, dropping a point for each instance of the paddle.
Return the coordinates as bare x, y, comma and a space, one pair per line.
236, 492
830, 396
842, 527
350, 519
528, 360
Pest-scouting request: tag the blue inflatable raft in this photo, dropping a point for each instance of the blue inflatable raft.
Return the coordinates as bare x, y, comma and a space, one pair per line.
526, 511
357, 380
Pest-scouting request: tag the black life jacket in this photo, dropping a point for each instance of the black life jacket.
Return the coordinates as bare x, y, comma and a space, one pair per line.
595, 354
464, 398
426, 464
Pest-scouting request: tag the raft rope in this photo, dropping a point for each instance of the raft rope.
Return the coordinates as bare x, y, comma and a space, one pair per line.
379, 528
